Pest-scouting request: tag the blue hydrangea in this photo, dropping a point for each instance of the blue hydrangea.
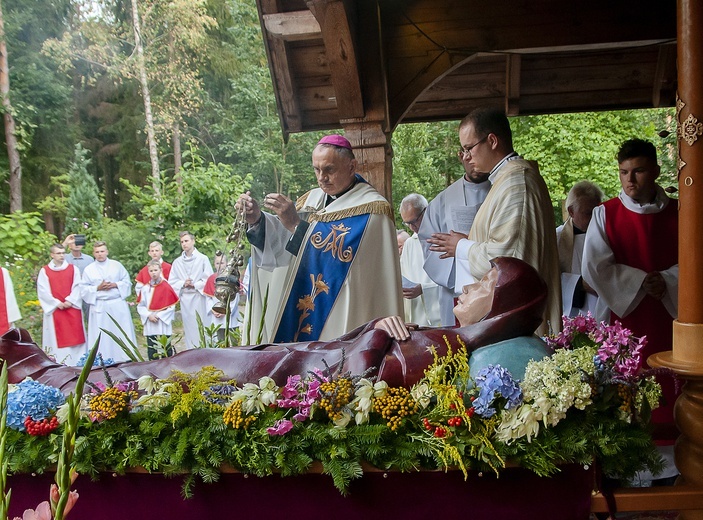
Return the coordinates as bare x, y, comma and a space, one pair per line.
495, 383
31, 399
96, 362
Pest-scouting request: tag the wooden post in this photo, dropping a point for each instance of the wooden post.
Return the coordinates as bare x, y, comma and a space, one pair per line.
372, 148
686, 358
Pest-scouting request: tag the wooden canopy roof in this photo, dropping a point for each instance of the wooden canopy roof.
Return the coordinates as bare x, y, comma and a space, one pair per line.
392, 61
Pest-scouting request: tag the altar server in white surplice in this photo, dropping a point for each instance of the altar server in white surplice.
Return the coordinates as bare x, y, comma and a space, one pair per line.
421, 295
59, 293
189, 273
516, 219
9, 310
453, 209
577, 296
330, 262
106, 286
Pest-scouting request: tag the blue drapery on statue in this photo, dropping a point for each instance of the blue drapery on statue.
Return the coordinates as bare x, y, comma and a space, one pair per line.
327, 257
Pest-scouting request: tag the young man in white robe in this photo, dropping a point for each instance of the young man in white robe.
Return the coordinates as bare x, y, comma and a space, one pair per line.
189, 273
454, 209
157, 308
577, 296
9, 311
105, 288
421, 296
59, 293
516, 218
328, 263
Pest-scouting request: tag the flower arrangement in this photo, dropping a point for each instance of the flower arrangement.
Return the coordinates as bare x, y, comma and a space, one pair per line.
585, 402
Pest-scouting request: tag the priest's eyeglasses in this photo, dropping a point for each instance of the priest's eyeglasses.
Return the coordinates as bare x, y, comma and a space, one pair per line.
414, 222
466, 150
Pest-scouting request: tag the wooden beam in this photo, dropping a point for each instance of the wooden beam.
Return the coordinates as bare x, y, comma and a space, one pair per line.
340, 49
664, 498
512, 84
296, 26
665, 60
289, 109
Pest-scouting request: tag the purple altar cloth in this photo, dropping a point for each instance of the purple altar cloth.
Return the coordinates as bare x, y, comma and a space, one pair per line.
516, 494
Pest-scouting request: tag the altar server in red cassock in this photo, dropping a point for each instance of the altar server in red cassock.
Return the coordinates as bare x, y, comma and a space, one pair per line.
59, 293
9, 311
631, 258
156, 251
157, 306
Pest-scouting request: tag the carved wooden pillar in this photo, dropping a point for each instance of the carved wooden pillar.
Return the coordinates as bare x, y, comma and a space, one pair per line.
372, 148
686, 359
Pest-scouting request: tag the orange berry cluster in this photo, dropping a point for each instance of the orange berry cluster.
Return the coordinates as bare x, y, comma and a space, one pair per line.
626, 394
110, 403
337, 394
394, 406
41, 428
234, 415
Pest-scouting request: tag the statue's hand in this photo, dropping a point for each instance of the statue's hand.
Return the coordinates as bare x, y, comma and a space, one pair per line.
395, 326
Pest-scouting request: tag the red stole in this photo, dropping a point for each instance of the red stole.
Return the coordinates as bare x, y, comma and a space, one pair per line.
68, 323
209, 288
162, 297
648, 242
4, 320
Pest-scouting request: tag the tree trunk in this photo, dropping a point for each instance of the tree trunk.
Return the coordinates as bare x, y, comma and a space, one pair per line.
13, 153
153, 153
177, 157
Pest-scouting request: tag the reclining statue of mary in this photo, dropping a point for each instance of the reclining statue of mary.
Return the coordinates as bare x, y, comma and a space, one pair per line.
497, 319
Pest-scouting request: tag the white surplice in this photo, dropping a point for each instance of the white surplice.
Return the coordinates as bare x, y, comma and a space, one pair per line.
164, 325
103, 304
572, 253
13, 310
423, 310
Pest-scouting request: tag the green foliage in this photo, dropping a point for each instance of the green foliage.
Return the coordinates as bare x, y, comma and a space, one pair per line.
127, 241
83, 205
24, 237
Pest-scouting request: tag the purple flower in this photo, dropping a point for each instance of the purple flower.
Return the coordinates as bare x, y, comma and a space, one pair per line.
291, 389
494, 383
280, 427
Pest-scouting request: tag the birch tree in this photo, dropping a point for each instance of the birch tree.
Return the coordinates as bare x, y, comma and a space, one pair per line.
10, 137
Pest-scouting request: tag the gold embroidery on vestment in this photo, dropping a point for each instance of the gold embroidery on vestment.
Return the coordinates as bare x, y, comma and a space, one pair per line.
334, 242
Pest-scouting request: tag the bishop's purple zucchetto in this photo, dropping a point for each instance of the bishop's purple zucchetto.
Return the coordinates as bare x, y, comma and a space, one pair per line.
336, 140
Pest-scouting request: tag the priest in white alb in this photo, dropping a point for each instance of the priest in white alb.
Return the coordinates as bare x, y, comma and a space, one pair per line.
105, 288
325, 264
189, 273
516, 219
59, 293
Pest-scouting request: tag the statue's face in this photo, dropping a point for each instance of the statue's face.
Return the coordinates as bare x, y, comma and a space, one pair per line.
476, 299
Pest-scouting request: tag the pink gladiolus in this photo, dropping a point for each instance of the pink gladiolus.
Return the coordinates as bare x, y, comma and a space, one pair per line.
55, 496
280, 427
42, 512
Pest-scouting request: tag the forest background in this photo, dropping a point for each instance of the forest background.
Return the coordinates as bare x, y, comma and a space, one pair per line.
131, 120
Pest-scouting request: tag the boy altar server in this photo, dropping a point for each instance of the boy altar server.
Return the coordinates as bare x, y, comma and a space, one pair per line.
157, 306
156, 251
209, 290
9, 311
105, 287
59, 293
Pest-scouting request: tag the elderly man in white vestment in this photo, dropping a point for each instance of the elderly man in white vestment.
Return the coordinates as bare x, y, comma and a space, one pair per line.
453, 209
59, 294
516, 218
421, 296
189, 273
105, 288
577, 296
328, 263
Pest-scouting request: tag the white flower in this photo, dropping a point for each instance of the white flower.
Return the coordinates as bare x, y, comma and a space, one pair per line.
422, 394
257, 397
343, 420
517, 423
62, 413
146, 383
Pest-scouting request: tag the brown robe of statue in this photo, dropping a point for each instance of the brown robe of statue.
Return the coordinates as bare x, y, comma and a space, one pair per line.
518, 303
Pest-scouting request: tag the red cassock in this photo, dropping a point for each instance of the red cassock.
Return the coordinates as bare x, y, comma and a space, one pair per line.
68, 323
162, 296
144, 278
4, 320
